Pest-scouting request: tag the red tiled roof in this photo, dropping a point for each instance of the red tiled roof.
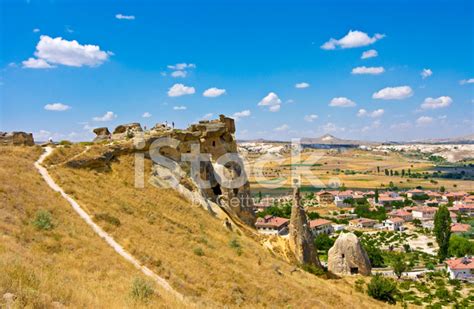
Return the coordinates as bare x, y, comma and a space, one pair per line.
461, 263
396, 220
399, 212
318, 222
271, 221
460, 227
425, 209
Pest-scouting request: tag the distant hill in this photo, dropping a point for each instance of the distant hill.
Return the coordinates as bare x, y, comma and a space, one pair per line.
329, 139
466, 139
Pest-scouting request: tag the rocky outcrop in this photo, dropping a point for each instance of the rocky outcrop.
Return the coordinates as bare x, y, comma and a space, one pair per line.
348, 257
102, 134
16, 139
301, 239
125, 131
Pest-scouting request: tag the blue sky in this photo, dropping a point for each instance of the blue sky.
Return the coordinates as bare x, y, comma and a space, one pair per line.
257, 51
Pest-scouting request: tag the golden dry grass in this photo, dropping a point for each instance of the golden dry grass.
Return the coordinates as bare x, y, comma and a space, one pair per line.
68, 264
192, 250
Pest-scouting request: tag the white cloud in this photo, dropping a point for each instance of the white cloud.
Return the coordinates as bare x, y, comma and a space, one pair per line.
107, 117
69, 53
33, 63
393, 93
146, 115
352, 39
179, 74
371, 53
126, 17
242, 114
377, 113
36, 30
342, 102
424, 121
272, 101
467, 81
310, 118
331, 127
181, 66
362, 112
302, 85
426, 73
434, 103
57, 107
368, 70
283, 127
179, 108
207, 116
401, 126
213, 92
178, 90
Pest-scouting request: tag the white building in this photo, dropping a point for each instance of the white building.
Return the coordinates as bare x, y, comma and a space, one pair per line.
394, 224
423, 213
271, 225
321, 226
462, 268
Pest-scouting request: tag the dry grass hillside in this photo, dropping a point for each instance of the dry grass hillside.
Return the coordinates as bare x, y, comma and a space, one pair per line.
212, 266
64, 263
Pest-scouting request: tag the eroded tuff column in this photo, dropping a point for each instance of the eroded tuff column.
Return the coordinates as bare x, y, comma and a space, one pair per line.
301, 239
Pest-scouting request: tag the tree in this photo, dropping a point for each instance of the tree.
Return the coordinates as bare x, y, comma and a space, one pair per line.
460, 246
387, 172
403, 173
376, 197
375, 255
391, 172
442, 189
383, 289
399, 265
442, 231
378, 169
323, 242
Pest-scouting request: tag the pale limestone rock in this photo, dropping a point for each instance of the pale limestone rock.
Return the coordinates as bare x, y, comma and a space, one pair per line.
347, 256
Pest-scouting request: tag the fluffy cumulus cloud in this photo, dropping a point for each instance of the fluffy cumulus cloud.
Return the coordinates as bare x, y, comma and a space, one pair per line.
310, 118
33, 63
179, 108
331, 128
302, 85
374, 114
213, 92
342, 102
426, 73
368, 70
393, 93
146, 115
282, 128
272, 101
352, 39
58, 51
125, 17
178, 90
181, 69
242, 114
371, 53
434, 103
57, 107
424, 121
467, 81
106, 117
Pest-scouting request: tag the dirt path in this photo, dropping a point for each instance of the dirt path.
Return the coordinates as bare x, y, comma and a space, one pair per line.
99, 231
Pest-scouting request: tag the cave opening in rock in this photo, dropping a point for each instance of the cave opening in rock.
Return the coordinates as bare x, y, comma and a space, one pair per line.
354, 270
217, 190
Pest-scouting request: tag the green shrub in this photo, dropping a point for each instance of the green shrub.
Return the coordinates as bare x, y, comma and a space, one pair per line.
142, 289
198, 251
234, 244
312, 269
43, 220
107, 218
65, 143
383, 289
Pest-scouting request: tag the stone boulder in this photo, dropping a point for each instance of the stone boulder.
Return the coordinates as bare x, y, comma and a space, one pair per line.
125, 131
301, 239
102, 134
16, 139
348, 257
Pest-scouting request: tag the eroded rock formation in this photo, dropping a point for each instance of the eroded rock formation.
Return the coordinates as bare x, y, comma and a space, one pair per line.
301, 239
347, 256
16, 139
103, 134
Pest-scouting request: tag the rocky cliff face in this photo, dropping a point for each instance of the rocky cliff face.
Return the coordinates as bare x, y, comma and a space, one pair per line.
301, 239
16, 139
215, 140
347, 256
